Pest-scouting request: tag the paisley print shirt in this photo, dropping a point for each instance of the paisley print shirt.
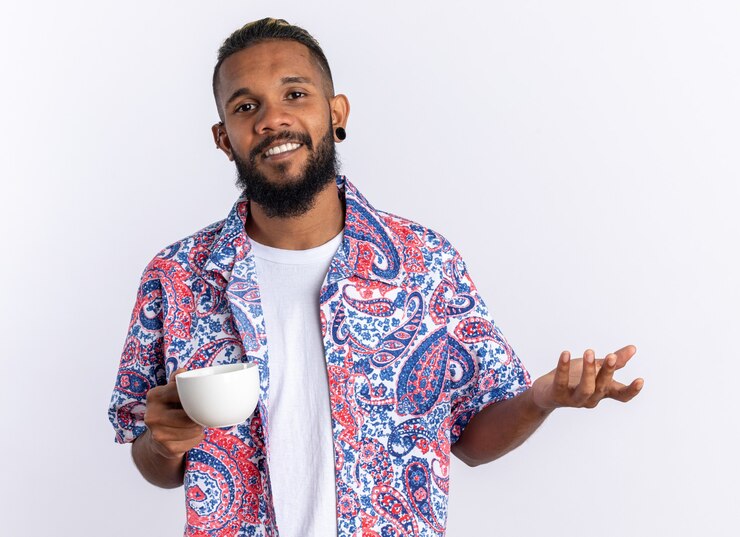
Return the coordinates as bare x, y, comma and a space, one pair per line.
411, 354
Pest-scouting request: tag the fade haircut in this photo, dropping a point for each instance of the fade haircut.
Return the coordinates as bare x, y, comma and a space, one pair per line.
267, 29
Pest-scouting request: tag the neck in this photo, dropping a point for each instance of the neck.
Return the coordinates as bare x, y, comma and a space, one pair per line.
316, 227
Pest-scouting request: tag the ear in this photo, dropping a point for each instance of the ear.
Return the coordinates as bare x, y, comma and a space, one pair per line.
339, 106
221, 137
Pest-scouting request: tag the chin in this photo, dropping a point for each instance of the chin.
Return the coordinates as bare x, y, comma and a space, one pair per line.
285, 173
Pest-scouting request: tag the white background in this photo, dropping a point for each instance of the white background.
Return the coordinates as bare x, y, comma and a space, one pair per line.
583, 156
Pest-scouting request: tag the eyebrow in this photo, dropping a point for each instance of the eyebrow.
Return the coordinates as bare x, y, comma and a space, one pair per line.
285, 80
296, 80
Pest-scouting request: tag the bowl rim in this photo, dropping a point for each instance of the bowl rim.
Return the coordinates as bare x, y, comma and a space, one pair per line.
215, 370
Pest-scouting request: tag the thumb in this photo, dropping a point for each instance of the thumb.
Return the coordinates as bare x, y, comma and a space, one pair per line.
176, 372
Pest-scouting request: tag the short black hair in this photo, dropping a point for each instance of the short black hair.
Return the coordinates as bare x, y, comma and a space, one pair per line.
264, 30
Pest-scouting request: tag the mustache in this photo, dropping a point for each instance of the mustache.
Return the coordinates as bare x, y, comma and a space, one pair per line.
286, 136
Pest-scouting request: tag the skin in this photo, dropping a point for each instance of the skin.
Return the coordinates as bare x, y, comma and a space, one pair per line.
159, 453
268, 88
574, 383
276, 86
272, 105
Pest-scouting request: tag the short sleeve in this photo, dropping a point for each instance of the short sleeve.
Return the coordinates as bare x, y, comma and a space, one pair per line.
142, 364
483, 367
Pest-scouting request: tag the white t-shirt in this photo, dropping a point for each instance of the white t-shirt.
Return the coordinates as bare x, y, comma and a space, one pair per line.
301, 454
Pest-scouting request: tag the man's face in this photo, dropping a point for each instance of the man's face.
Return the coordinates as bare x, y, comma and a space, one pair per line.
278, 122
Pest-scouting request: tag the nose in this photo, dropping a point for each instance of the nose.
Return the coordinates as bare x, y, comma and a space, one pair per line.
272, 117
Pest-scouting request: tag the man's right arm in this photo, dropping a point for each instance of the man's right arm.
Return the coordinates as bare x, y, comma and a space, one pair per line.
159, 453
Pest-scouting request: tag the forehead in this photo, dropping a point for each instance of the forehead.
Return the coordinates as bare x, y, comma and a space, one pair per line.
267, 63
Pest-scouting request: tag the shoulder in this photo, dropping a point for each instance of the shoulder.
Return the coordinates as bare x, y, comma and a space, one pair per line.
189, 253
406, 231
422, 248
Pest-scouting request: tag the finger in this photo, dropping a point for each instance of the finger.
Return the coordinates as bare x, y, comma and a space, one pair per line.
170, 434
624, 354
165, 394
562, 373
169, 396
172, 427
176, 372
164, 416
586, 386
604, 376
626, 393
179, 419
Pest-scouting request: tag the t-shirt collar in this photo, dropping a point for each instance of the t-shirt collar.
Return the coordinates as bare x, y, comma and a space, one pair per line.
367, 251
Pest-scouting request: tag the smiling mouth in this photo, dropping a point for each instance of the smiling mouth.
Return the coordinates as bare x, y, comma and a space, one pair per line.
279, 149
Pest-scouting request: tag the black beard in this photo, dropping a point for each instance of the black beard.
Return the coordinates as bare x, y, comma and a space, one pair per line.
296, 195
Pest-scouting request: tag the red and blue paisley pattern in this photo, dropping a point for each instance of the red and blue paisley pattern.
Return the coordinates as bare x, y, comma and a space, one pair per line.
411, 353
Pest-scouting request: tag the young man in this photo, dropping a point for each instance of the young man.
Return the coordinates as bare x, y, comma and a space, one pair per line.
377, 357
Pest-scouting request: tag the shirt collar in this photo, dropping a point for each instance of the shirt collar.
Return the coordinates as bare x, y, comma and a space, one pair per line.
368, 249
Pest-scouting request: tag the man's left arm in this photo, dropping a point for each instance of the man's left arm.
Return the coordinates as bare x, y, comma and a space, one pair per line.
582, 382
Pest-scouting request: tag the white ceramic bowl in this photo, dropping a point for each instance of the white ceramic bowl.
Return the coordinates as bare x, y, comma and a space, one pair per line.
221, 395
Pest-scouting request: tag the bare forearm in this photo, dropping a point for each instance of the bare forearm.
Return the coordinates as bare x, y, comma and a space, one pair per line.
503, 426
498, 429
161, 471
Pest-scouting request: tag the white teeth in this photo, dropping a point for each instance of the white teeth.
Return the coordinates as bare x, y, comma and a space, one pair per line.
281, 149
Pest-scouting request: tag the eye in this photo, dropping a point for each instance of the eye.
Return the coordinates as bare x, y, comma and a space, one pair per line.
246, 107
296, 95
